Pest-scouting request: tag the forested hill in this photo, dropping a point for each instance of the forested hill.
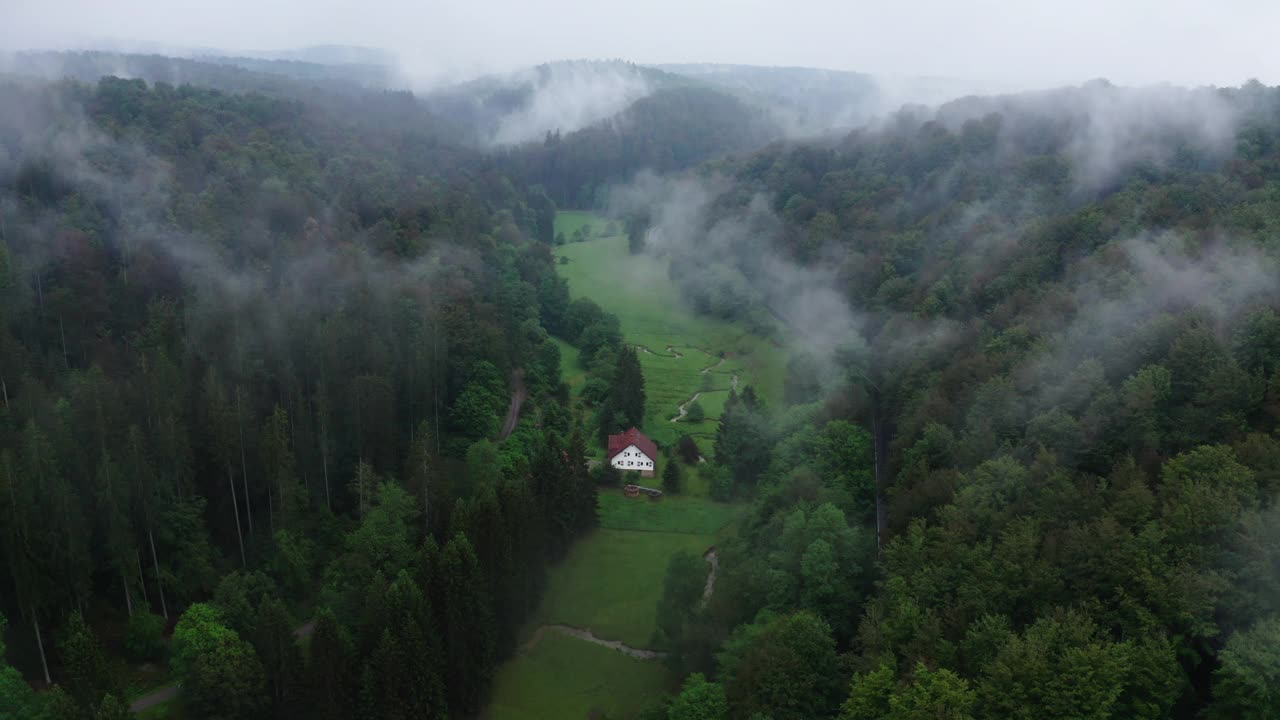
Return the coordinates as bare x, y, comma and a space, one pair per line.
668, 131
1053, 317
361, 95
252, 356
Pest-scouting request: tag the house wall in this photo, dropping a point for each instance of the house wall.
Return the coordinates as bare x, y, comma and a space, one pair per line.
640, 462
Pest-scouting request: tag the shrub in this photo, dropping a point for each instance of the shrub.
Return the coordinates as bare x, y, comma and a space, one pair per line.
695, 412
144, 640
689, 450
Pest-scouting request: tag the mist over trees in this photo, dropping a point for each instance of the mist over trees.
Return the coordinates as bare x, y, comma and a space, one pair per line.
1060, 306
257, 345
246, 357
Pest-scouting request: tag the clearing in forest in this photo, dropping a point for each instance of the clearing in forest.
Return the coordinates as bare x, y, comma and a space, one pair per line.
680, 351
610, 583
612, 578
563, 677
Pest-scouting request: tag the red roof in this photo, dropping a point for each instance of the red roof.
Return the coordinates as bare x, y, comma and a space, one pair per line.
618, 443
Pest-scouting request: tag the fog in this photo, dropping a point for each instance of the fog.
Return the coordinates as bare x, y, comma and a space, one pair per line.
997, 45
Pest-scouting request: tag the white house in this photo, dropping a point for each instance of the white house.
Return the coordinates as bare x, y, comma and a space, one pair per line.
633, 451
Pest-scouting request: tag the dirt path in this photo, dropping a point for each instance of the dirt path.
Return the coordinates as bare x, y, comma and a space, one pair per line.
673, 352
519, 393
712, 557
709, 368
586, 634
686, 403
163, 695
170, 692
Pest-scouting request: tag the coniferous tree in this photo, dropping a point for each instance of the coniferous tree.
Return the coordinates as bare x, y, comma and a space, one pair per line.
277, 649
330, 679
671, 477
469, 627
84, 662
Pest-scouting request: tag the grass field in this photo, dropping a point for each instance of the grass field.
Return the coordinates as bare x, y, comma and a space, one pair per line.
563, 678
570, 371
654, 316
671, 514
568, 222
612, 580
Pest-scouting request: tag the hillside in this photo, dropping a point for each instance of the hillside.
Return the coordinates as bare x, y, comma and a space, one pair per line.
1052, 318
554, 98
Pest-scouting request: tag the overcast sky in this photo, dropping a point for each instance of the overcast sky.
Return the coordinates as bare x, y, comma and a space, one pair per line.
1003, 43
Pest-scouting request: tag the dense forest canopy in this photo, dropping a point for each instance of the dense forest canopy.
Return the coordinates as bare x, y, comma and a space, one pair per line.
257, 342
1059, 323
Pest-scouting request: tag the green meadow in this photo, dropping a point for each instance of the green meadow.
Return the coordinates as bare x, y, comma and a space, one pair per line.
612, 578
680, 344
611, 581
563, 678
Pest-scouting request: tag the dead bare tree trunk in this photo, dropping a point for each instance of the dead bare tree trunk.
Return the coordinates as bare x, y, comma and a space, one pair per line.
244, 466
44, 663
235, 507
164, 609
66, 360
128, 597
142, 578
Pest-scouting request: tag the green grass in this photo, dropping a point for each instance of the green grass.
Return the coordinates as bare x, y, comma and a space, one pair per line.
570, 371
671, 514
654, 316
568, 222
563, 678
612, 580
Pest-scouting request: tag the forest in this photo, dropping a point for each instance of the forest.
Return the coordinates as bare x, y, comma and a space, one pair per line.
257, 345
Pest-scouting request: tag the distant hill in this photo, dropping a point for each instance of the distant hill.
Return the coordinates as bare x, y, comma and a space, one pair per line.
802, 100
672, 129
359, 94
813, 101
525, 105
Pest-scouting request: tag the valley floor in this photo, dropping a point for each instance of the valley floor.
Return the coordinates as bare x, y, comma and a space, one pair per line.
591, 646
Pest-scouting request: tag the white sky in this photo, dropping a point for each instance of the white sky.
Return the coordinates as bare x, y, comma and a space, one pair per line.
1000, 42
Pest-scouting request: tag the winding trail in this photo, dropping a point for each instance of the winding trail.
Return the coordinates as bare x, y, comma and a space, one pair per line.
171, 692
644, 349
586, 634
163, 695
684, 405
519, 393
713, 557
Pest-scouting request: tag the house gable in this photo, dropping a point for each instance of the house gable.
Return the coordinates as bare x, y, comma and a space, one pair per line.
632, 458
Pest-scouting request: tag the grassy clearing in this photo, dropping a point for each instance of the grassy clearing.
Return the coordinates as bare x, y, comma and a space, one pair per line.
612, 580
562, 678
671, 514
568, 222
570, 371
654, 316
